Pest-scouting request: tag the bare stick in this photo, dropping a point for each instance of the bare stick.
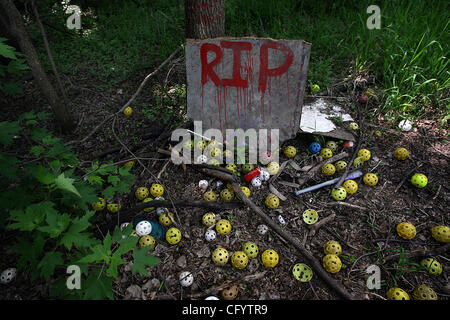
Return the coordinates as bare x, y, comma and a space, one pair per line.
420, 253
320, 223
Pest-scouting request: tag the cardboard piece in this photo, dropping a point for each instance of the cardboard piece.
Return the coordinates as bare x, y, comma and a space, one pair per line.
247, 83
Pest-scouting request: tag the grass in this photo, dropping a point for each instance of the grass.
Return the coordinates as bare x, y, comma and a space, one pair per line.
408, 55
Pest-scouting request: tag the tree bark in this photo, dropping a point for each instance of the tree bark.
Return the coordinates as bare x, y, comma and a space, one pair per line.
18, 30
205, 19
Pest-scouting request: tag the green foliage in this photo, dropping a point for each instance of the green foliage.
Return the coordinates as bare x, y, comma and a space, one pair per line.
14, 67
48, 205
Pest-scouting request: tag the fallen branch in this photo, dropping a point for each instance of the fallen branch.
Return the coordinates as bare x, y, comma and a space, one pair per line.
316, 226
317, 267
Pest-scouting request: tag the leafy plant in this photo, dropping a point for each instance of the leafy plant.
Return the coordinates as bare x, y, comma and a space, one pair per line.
49, 206
14, 67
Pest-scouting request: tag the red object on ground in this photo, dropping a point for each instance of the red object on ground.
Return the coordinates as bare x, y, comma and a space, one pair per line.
249, 176
363, 99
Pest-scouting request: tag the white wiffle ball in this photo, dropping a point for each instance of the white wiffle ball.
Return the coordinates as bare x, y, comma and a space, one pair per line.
256, 182
203, 184
202, 159
211, 298
264, 175
186, 278
8, 275
262, 229
143, 228
405, 125
210, 235
281, 220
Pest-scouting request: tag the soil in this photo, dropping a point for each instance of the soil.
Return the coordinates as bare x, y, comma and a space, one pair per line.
366, 229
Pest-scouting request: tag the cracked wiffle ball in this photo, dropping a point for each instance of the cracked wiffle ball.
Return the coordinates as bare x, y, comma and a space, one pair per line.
173, 235
302, 272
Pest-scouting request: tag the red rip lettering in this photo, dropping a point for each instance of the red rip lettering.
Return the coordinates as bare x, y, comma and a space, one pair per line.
237, 47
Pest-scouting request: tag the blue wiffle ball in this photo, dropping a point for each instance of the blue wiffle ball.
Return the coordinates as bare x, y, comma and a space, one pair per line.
314, 147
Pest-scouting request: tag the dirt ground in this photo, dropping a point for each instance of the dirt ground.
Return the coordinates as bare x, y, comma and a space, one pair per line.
364, 225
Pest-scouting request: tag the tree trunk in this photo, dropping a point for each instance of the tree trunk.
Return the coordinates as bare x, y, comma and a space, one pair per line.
205, 19
18, 30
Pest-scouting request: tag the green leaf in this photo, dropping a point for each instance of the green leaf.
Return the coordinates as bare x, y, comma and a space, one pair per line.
66, 184
109, 192
8, 130
76, 236
7, 166
92, 179
114, 180
98, 286
56, 224
49, 262
100, 252
142, 260
7, 51
29, 251
45, 176
37, 150
116, 261
27, 220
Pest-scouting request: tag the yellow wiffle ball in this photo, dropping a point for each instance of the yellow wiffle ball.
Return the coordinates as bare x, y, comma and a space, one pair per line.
370, 179
326, 153
328, 169
239, 259
220, 256
141, 193
272, 201
157, 190
270, 258
209, 219
401, 154
350, 186
290, 151
223, 226
128, 111
364, 154
406, 230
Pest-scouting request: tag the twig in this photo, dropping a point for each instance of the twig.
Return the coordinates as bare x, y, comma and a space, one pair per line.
406, 177
345, 204
320, 223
